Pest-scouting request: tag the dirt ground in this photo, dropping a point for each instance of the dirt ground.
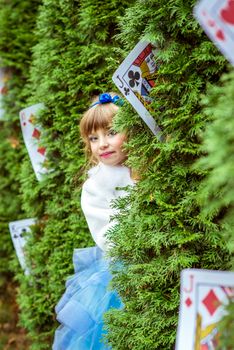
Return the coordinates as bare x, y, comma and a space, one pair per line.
12, 337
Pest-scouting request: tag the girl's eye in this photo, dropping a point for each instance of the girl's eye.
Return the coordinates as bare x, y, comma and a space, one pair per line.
112, 132
92, 138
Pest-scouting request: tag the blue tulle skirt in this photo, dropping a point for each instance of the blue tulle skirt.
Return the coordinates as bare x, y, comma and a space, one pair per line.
81, 308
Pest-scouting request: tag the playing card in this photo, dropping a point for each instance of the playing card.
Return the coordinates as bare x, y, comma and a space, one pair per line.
4, 77
32, 135
135, 77
217, 19
18, 229
204, 295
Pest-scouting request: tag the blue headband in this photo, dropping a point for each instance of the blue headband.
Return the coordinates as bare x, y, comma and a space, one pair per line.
106, 98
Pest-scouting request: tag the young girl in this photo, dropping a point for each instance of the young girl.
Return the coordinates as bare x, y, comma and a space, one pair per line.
80, 310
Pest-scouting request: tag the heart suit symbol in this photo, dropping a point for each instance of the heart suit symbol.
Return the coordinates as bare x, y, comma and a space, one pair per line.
227, 14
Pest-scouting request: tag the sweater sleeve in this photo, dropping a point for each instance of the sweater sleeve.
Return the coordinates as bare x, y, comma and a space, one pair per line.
98, 192
98, 214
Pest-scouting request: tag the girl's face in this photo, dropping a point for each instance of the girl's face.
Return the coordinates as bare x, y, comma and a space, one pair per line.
106, 146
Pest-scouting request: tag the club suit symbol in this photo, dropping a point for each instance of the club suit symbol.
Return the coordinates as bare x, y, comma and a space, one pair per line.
23, 232
134, 77
19, 232
126, 91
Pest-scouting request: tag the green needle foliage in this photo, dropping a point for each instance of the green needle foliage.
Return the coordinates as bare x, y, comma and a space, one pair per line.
217, 190
9, 189
16, 39
164, 231
76, 47
72, 61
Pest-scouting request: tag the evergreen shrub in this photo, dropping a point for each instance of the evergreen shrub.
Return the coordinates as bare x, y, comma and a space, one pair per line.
72, 61
79, 45
16, 39
216, 195
162, 231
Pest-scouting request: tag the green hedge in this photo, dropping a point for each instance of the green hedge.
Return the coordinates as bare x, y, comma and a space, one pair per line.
78, 47
217, 190
164, 231
16, 38
17, 19
73, 60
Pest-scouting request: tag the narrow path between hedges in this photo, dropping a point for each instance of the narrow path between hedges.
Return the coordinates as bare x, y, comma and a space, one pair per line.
12, 337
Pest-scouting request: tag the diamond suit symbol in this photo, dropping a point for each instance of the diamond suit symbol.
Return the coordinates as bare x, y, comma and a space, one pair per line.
211, 302
188, 302
41, 150
36, 133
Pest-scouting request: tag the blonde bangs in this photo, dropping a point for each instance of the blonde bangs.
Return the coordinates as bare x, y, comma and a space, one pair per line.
97, 117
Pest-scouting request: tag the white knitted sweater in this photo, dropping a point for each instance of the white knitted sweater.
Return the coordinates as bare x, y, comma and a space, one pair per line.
98, 191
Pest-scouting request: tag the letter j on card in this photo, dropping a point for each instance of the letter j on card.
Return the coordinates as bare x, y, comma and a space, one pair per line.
217, 19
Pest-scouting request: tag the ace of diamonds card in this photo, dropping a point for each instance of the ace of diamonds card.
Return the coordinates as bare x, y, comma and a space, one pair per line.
217, 19
135, 78
203, 297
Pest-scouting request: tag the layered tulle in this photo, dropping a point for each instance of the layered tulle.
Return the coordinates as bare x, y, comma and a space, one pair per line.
81, 308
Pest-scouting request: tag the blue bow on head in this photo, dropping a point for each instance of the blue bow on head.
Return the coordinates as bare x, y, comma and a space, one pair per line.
106, 98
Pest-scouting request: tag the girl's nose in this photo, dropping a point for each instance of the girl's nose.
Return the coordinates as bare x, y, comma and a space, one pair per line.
103, 142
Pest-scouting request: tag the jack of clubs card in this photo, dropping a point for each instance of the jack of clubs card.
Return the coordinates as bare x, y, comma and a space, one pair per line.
135, 78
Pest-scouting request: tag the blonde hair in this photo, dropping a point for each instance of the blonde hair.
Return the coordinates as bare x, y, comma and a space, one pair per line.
99, 116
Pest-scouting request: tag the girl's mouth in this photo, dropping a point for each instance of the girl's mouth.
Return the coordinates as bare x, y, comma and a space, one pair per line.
106, 154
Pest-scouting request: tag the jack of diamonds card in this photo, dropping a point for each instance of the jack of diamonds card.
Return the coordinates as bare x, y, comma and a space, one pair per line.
18, 229
217, 19
204, 295
135, 77
32, 133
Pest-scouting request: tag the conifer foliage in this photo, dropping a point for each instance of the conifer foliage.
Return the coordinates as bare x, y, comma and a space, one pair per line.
216, 195
17, 19
164, 231
16, 38
76, 47
72, 61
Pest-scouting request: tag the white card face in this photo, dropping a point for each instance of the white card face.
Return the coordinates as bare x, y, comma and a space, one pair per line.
135, 77
18, 230
4, 77
217, 19
204, 294
32, 134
